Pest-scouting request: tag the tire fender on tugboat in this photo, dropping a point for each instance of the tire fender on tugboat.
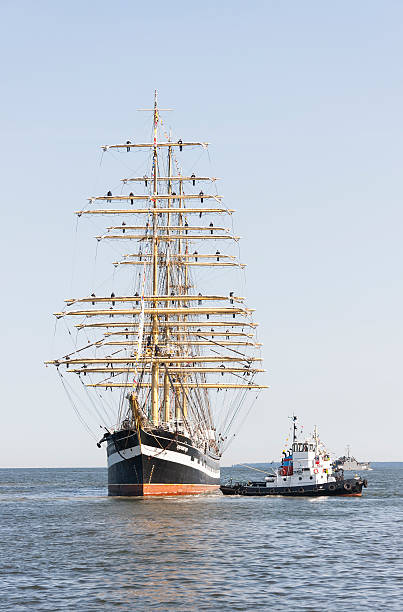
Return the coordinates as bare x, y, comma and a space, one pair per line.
347, 486
332, 487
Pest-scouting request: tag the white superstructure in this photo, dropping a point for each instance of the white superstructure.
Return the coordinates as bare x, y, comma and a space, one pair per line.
306, 463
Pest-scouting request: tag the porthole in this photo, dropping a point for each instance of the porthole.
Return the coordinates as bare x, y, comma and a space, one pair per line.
311, 477
300, 478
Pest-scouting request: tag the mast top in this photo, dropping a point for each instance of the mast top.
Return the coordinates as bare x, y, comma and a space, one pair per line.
155, 108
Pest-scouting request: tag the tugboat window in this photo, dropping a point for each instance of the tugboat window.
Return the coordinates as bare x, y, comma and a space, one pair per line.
311, 477
300, 478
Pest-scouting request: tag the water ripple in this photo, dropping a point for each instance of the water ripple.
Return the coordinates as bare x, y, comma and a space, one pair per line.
67, 546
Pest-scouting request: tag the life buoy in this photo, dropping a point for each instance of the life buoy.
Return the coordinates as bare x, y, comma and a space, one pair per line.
316, 471
332, 487
347, 486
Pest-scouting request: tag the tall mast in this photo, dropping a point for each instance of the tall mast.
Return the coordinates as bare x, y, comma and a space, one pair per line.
155, 366
168, 272
168, 288
185, 291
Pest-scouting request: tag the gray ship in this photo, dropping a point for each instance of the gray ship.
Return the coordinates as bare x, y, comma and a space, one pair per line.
349, 463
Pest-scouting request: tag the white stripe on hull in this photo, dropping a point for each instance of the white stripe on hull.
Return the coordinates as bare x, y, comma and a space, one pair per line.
167, 455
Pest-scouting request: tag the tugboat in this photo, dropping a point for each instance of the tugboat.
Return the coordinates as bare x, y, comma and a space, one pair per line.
306, 470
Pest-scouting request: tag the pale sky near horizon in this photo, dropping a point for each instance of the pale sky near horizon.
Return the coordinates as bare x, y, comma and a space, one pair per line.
302, 104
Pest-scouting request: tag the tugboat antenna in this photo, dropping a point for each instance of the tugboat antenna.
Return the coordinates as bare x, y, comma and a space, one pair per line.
315, 435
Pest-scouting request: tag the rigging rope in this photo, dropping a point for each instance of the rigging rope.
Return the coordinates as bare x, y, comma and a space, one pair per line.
80, 417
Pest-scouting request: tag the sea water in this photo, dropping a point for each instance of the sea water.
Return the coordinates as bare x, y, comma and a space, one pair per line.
66, 546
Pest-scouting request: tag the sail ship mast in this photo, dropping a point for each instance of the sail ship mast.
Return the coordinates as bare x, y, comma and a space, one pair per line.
155, 365
178, 345
167, 405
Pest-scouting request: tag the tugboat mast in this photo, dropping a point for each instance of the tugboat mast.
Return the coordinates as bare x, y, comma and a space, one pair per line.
294, 428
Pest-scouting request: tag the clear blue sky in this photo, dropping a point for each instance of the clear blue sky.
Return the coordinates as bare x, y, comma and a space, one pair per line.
302, 102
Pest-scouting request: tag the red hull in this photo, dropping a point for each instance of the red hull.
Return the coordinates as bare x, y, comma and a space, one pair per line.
351, 495
146, 490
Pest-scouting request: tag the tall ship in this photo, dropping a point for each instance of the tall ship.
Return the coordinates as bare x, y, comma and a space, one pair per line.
168, 365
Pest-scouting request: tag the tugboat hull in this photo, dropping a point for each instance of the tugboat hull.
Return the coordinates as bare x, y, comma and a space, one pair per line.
158, 462
351, 487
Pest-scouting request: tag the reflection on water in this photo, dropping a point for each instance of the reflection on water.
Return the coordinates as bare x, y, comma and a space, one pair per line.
66, 545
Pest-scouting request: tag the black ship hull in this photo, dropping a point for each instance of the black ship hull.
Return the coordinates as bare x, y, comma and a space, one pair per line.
351, 487
158, 462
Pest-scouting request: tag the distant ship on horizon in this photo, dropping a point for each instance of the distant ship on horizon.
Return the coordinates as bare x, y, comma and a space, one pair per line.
349, 463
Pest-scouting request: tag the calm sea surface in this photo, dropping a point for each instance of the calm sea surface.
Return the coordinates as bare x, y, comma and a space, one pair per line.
66, 546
